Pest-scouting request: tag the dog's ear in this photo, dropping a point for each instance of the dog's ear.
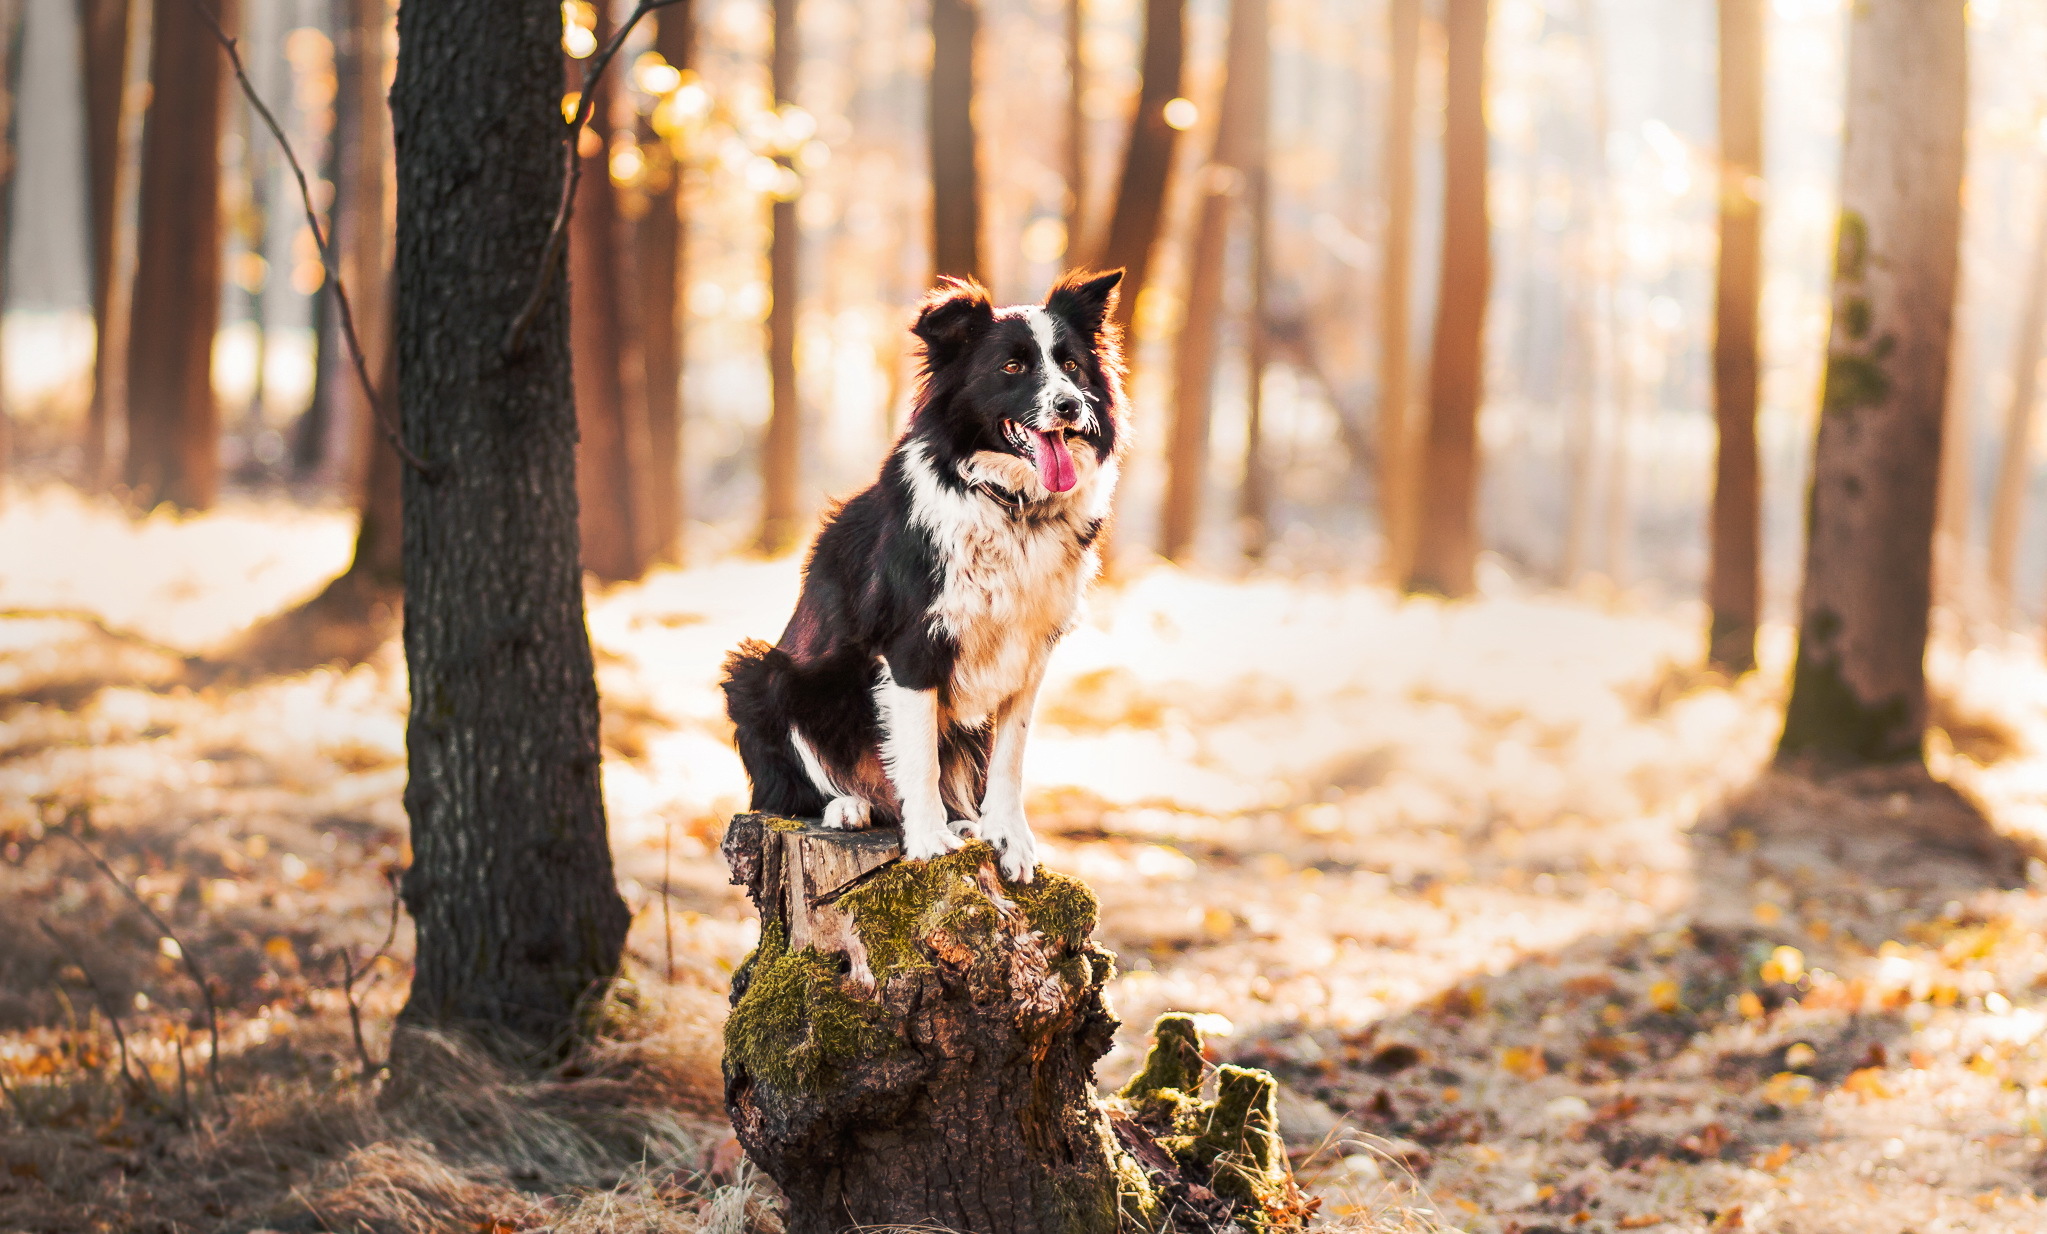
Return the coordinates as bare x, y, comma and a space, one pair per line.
953, 314
1084, 300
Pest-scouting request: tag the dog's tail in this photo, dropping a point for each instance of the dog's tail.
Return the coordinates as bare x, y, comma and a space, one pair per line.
755, 676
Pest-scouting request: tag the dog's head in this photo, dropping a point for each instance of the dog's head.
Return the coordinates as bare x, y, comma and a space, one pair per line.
1028, 397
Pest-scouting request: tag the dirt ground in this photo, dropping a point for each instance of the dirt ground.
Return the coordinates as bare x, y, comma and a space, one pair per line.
1502, 891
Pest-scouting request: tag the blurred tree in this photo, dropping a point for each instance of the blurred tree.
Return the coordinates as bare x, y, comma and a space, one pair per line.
1396, 438
1148, 158
658, 237
1254, 496
2015, 467
782, 444
1858, 692
1230, 170
103, 27
1076, 124
1734, 582
616, 449
363, 229
511, 889
11, 14
173, 450
1446, 533
955, 181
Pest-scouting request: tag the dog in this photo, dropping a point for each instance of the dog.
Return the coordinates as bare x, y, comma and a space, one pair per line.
902, 689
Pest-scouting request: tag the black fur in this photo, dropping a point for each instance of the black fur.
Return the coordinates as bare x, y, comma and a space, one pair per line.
874, 572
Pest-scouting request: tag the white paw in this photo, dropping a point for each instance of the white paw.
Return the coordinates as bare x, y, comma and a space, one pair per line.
848, 814
1011, 835
924, 839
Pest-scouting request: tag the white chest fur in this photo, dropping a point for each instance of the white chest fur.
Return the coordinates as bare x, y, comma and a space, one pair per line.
1010, 586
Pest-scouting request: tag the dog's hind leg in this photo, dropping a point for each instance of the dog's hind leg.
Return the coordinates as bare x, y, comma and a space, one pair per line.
848, 814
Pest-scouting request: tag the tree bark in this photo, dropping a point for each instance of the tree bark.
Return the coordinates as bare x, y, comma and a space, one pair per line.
365, 263
1254, 498
1858, 692
660, 237
1734, 583
1076, 125
782, 444
11, 15
519, 922
955, 180
1229, 168
103, 27
1148, 159
913, 1046
2015, 468
611, 410
1446, 536
1396, 443
173, 422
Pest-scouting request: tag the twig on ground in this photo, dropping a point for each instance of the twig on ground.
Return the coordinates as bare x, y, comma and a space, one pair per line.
349, 974
136, 1084
88, 618
572, 172
184, 1081
667, 929
191, 962
355, 356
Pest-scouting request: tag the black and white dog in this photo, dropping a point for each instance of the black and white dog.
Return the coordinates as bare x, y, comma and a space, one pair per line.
902, 688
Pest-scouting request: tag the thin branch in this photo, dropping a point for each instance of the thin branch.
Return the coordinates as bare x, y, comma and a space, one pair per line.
572, 172
192, 968
355, 356
106, 1006
348, 975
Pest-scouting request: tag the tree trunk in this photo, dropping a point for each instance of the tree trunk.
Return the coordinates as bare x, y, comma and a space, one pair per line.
913, 1045
1254, 499
659, 236
11, 14
173, 422
510, 889
103, 27
782, 444
955, 181
611, 410
2015, 468
1446, 536
1076, 125
1396, 443
1858, 693
1236, 139
1148, 159
364, 228
1734, 582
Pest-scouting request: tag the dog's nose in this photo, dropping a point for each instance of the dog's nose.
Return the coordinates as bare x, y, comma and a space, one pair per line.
1067, 408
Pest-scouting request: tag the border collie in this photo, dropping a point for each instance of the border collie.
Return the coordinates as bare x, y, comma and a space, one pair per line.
902, 688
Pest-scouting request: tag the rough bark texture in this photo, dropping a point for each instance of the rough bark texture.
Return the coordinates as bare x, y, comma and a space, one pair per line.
103, 32
659, 239
913, 1045
1446, 536
2015, 468
611, 409
955, 180
510, 889
173, 423
1229, 168
1396, 443
1858, 692
782, 444
1734, 581
1148, 159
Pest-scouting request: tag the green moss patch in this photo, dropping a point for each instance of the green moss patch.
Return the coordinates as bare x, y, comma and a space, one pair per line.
794, 1028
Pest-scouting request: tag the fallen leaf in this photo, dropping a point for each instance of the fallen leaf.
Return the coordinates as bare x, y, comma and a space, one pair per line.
1640, 1221
1729, 1220
1524, 1061
1774, 1160
1867, 1083
1663, 996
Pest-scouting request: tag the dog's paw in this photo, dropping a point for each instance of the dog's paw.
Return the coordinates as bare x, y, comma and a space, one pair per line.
965, 828
923, 841
1015, 845
848, 814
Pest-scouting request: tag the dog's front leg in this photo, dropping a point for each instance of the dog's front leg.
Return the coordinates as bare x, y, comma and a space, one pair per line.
1002, 813
909, 751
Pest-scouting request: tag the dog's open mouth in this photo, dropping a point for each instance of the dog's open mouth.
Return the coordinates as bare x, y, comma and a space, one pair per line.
1048, 451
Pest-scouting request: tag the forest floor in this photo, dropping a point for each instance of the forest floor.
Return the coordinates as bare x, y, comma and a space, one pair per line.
1503, 891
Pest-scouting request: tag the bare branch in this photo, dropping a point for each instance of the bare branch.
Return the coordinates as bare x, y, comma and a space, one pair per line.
355, 356
572, 172
107, 1009
191, 962
349, 975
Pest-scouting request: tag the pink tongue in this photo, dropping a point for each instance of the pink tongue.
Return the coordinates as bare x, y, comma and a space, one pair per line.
1055, 465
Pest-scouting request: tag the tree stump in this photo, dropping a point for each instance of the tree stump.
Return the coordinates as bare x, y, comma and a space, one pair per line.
913, 1044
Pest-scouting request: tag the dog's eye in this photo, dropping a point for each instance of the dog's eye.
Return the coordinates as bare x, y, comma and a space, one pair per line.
1014, 366
1070, 367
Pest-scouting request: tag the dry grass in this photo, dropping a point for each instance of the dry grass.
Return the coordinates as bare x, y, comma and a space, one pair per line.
1493, 887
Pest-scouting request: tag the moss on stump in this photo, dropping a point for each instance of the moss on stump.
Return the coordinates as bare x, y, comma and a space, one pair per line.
930, 1062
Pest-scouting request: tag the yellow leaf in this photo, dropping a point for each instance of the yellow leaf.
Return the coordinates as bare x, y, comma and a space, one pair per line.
1788, 1088
279, 948
1867, 1083
1218, 922
1525, 1062
1775, 1159
1749, 1005
1768, 913
1790, 962
1663, 996
1640, 1221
